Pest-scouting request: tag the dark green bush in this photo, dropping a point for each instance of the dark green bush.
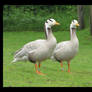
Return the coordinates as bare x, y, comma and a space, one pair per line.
32, 17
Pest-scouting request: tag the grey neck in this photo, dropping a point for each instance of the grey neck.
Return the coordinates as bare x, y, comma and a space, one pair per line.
48, 31
45, 32
73, 33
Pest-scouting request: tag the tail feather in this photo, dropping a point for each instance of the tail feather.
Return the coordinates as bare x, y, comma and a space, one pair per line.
20, 53
24, 58
14, 60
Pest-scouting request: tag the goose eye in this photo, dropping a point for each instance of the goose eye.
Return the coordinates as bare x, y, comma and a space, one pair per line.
50, 20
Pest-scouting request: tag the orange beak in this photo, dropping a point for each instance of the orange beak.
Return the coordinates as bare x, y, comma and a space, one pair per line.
57, 23
77, 25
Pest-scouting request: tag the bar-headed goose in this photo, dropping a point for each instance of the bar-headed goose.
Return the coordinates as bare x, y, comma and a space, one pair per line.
66, 50
38, 50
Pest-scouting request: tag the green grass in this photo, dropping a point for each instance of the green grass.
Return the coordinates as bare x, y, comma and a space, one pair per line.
22, 74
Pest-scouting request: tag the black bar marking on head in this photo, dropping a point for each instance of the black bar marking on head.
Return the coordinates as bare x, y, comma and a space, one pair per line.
73, 21
50, 20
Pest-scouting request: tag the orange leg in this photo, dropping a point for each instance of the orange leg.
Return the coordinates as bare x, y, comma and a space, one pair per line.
39, 65
68, 66
37, 71
61, 66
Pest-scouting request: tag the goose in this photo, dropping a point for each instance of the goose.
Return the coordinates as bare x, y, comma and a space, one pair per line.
66, 50
38, 50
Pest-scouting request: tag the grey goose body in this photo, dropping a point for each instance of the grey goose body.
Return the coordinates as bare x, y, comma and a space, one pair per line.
38, 50
66, 50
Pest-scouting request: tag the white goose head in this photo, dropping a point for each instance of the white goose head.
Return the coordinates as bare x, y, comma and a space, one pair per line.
51, 22
48, 24
74, 24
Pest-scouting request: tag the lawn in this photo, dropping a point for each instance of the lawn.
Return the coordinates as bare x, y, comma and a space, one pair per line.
22, 74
